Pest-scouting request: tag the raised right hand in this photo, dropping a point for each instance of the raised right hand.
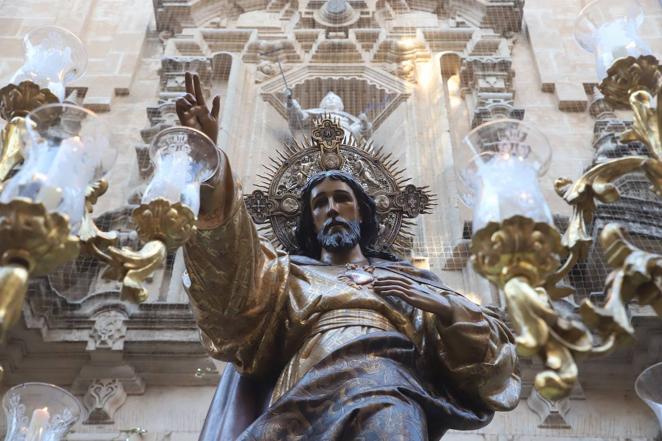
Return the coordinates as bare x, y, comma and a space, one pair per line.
192, 110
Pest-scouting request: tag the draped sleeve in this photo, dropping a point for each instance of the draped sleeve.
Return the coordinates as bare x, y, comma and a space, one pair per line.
476, 352
237, 284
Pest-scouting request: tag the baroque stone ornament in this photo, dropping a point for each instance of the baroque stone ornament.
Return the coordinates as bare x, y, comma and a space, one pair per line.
552, 413
103, 398
276, 202
108, 331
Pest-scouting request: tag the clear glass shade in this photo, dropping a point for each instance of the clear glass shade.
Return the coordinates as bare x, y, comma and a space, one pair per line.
54, 57
649, 388
67, 149
40, 412
183, 158
501, 179
609, 29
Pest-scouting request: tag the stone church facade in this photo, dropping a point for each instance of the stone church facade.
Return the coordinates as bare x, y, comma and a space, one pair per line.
422, 73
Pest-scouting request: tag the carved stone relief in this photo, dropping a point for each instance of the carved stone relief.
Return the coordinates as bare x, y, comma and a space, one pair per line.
102, 399
108, 332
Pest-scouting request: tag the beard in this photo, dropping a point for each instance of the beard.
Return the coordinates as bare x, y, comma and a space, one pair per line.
341, 240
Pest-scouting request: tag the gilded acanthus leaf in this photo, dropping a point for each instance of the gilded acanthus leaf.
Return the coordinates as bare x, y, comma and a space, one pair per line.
30, 234
22, 99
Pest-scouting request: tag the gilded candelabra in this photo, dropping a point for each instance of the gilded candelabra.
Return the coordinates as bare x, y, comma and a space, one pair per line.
42, 206
516, 246
53, 159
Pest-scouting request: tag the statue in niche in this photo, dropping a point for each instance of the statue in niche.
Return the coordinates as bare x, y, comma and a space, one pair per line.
334, 340
299, 119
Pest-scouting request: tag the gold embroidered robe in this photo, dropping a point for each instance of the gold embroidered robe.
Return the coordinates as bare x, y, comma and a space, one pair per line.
274, 315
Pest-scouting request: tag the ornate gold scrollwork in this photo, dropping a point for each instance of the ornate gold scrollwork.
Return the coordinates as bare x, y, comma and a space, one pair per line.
134, 267
15, 103
647, 124
162, 220
637, 275
559, 335
541, 330
13, 286
519, 255
595, 184
628, 75
11, 146
160, 223
518, 246
32, 242
22, 99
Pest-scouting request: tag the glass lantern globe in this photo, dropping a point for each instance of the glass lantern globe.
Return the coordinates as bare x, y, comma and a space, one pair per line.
183, 159
40, 412
501, 179
67, 149
648, 386
54, 57
609, 29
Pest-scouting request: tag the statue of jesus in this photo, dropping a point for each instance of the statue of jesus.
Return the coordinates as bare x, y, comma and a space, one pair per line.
335, 341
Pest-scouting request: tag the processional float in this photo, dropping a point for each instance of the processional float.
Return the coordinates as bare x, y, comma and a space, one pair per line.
46, 210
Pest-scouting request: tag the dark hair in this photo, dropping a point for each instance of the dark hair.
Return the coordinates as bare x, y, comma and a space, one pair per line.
305, 234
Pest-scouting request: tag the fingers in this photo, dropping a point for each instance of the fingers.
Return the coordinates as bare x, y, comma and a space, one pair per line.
393, 281
389, 290
393, 292
384, 287
188, 80
199, 96
181, 107
215, 107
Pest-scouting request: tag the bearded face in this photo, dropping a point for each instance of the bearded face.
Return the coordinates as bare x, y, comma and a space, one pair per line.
338, 234
336, 215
